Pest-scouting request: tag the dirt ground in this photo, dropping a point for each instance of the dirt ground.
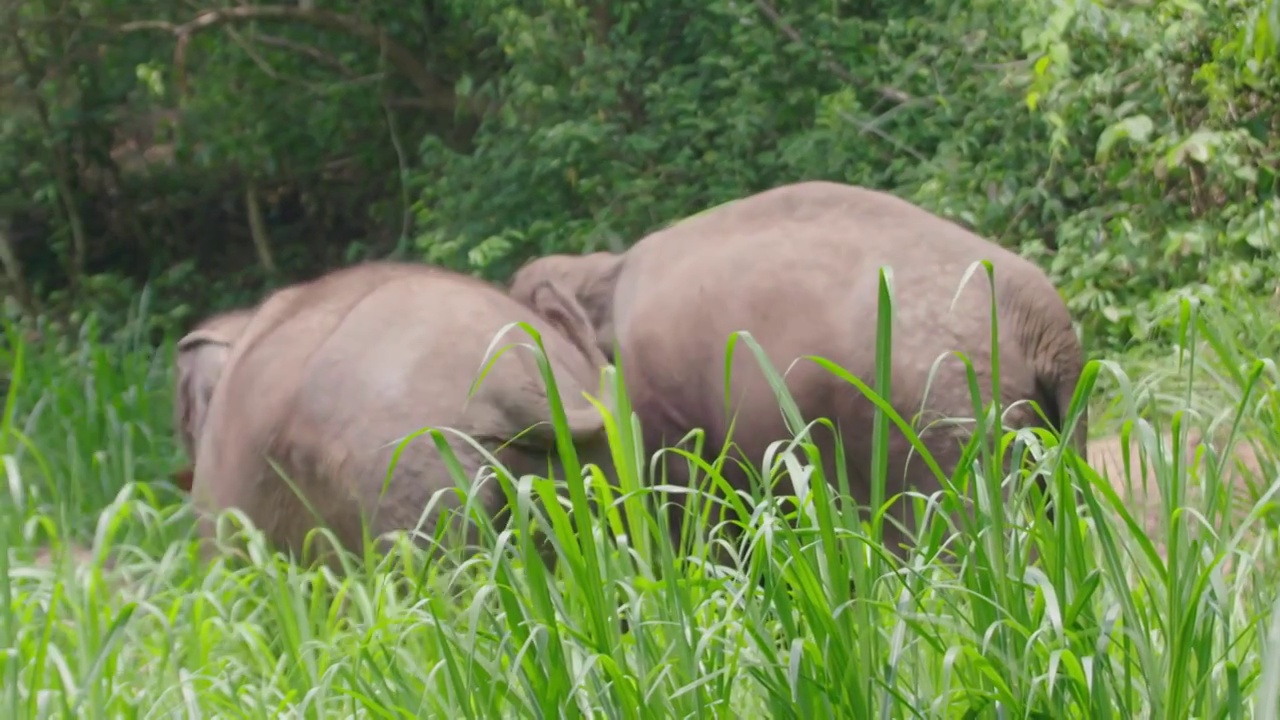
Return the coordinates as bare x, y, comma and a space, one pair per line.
1142, 495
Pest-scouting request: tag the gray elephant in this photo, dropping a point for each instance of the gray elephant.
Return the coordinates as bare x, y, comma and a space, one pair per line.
797, 266
325, 380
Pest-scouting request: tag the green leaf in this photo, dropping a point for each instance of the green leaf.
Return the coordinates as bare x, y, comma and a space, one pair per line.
1137, 128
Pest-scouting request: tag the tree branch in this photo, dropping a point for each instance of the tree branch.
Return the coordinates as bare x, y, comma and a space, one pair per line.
435, 93
314, 53
248, 44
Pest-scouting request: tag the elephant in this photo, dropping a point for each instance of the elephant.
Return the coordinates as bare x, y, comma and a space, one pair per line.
797, 267
325, 379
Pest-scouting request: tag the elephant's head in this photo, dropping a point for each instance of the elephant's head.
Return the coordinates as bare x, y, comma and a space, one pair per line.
591, 279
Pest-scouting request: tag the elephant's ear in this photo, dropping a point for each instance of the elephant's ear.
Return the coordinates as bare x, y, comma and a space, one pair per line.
199, 354
200, 336
563, 313
567, 315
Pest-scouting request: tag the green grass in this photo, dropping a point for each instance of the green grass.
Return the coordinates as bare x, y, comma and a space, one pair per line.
997, 614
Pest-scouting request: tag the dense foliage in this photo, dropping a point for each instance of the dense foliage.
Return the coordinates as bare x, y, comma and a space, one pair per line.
1131, 148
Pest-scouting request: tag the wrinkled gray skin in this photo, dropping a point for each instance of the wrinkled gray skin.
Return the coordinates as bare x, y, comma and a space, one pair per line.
326, 379
797, 266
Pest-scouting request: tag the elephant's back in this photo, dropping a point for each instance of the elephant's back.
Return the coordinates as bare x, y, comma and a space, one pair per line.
404, 357
416, 341
813, 248
835, 228
798, 267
